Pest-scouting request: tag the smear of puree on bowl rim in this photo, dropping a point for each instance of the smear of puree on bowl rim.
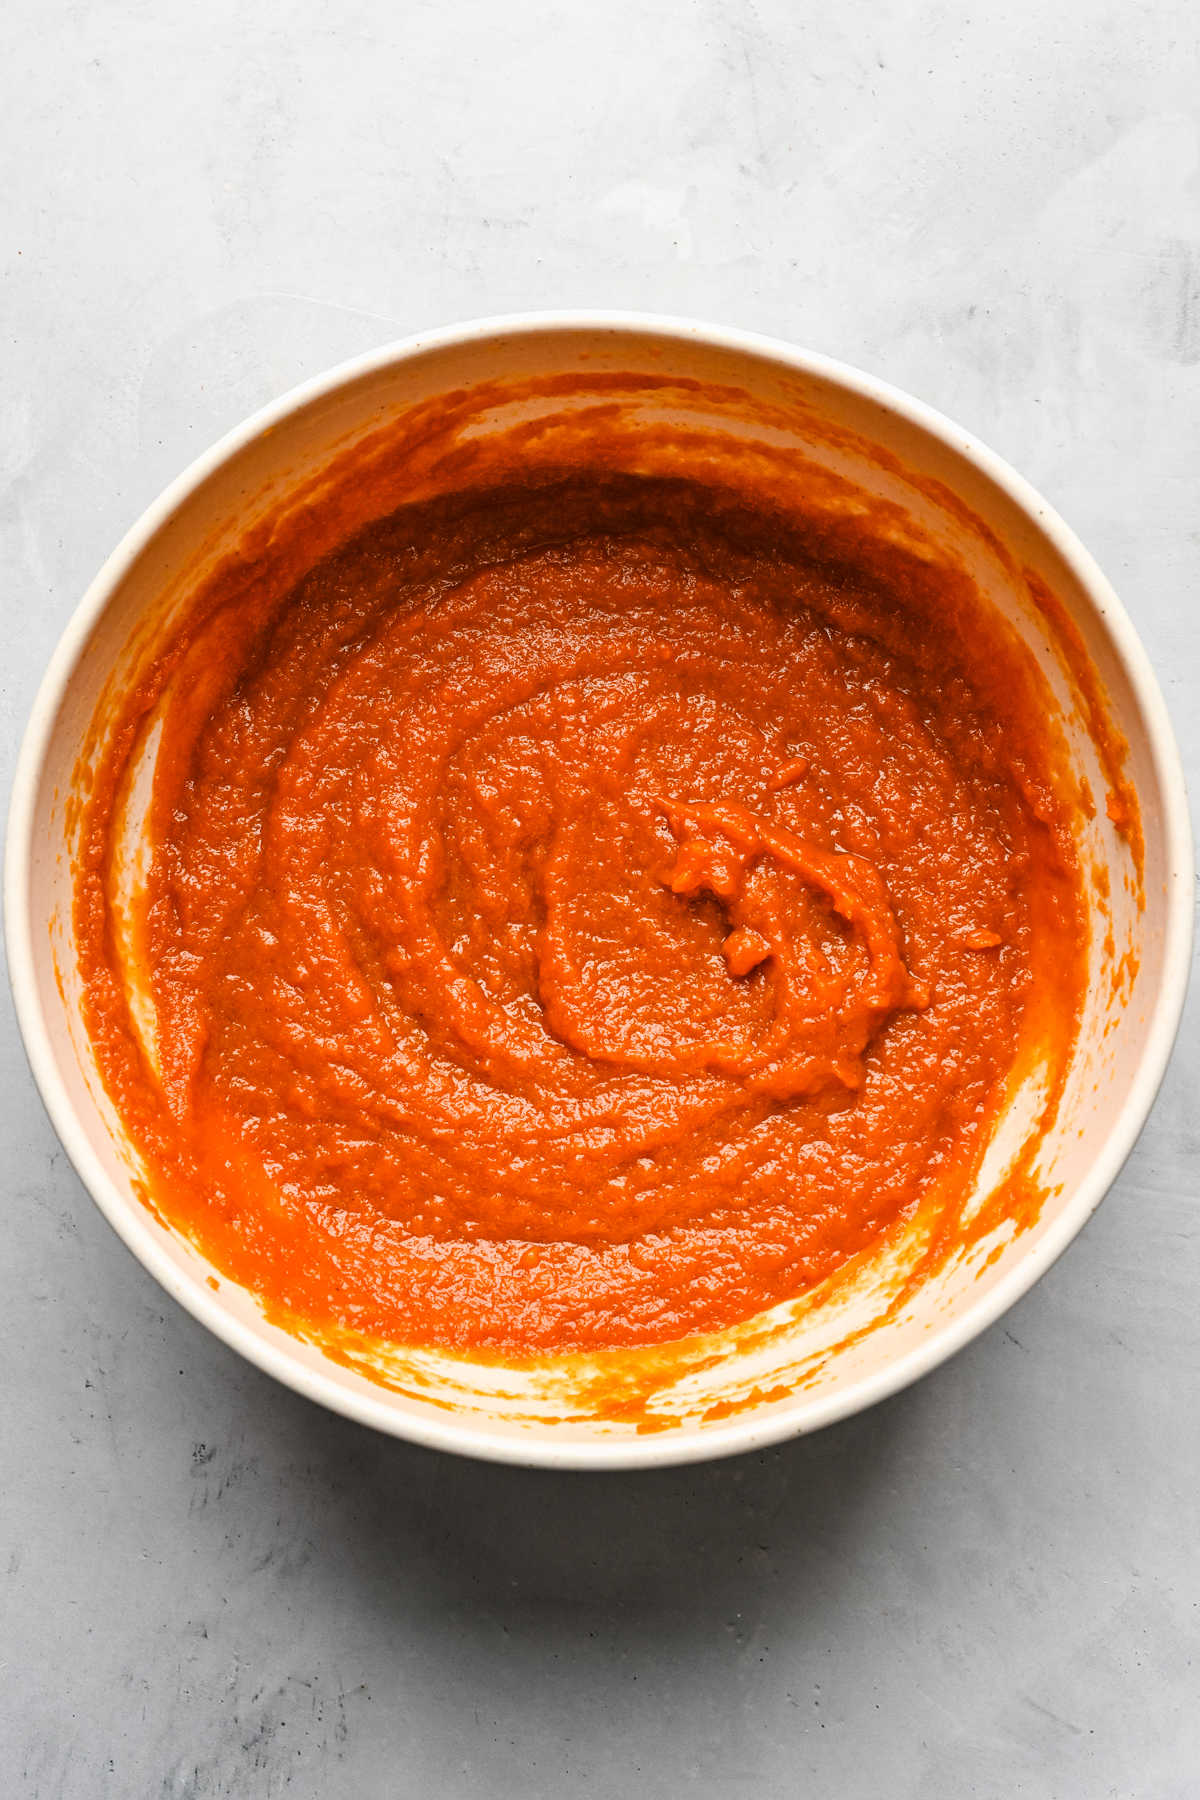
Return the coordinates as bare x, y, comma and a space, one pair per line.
584, 908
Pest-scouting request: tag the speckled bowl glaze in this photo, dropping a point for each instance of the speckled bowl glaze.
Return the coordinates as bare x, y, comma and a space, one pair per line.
814, 1360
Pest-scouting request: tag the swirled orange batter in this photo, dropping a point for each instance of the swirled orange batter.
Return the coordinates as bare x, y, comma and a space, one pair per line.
581, 913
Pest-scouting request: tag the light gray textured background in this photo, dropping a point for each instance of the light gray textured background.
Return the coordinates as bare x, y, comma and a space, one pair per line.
989, 1585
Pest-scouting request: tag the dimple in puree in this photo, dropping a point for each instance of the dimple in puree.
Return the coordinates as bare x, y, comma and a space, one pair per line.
580, 914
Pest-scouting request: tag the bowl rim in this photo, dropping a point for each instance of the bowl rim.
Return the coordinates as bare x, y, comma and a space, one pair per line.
687, 1443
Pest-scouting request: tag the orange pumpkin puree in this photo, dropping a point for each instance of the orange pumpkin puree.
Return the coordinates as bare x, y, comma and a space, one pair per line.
582, 911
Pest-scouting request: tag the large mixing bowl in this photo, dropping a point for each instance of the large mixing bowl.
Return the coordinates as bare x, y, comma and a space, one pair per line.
830, 1354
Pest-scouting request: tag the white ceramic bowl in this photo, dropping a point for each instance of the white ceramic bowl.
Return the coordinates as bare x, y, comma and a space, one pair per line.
741, 1390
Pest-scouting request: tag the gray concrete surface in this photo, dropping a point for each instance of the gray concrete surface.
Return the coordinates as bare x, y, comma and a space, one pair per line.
987, 1586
